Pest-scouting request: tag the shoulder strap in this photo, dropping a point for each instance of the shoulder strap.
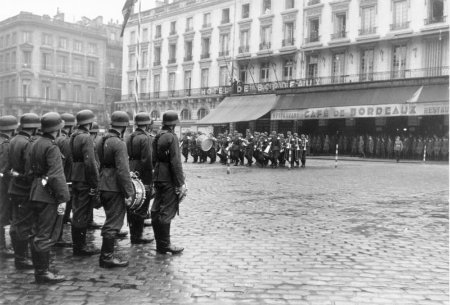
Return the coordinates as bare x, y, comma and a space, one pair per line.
131, 155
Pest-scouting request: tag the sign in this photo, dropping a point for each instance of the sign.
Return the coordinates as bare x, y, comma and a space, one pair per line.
272, 86
366, 111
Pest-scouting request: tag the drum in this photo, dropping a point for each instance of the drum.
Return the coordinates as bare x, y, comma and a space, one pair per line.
139, 194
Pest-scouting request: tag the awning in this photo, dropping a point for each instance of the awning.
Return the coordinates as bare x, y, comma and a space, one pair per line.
241, 109
376, 102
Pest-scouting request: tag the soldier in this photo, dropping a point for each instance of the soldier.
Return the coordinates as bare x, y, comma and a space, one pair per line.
303, 148
8, 125
139, 147
115, 186
295, 151
193, 148
169, 183
249, 149
48, 197
185, 146
92, 224
275, 149
20, 186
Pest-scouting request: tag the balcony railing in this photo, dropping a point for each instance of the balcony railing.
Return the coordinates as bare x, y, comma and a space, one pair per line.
172, 60
189, 29
204, 55
225, 20
224, 53
220, 90
244, 49
367, 31
339, 34
61, 105
188, 58
265, 46
206, 25
313, 37
288, 42
156, 63
158, 36
399, 26
312, 2
435, 19
173, 32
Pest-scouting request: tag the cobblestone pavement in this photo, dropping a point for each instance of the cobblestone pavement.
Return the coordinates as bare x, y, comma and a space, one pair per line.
364, 233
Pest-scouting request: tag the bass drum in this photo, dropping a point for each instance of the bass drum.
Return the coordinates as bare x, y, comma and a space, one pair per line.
139, 195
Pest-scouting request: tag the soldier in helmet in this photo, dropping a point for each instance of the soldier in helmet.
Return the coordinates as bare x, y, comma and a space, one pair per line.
139, 146
115, 186
8, 125
169, 183
85, 177
48, 197
20, 187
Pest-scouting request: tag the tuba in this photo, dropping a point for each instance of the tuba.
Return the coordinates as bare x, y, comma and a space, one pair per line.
205, 142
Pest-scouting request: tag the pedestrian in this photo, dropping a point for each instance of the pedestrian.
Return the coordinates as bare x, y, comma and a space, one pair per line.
303, 145
48, 197
169, 183
371, 145
361, 147
398, 147
115, 186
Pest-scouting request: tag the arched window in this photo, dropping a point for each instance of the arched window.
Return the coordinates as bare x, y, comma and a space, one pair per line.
201, 113
186, 115
154, 115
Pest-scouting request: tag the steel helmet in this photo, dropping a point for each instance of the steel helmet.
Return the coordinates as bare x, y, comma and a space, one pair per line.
120, 119
30, 120
170, 118
8, 122
94, 128
142, 118
69, 119
51, 121
85, 117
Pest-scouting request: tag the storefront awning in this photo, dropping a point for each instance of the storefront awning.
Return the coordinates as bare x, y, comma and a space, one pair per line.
377, 102
240, 109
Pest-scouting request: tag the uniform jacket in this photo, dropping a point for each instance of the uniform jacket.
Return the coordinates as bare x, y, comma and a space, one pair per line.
46, 161
114, 166
84, 166
63, 143
166, 155
4, 165
19, 158
139, 147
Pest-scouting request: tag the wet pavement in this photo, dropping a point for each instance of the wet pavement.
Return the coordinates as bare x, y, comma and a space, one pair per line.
362, 233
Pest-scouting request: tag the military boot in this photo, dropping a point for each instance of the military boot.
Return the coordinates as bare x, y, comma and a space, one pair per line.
21, 260
4, 251
136, 231
164, 244
79, 243
41, 272
107, 257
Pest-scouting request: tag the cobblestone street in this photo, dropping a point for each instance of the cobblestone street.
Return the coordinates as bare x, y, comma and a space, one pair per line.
364, 233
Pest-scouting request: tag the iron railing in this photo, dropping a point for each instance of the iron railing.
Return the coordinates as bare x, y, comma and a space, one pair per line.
172, 60
224, 53
156, 63
399, 26
313, 2
367, 31
265, 45
435, 19
339, 34
244, 49
204, 55
313, 37
288, 42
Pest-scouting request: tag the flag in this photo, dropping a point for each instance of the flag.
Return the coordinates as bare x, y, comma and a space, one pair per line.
138, 54
126, 12
415, 96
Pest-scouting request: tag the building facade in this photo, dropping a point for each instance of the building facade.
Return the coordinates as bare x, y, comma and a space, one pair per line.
48, 64
194, 53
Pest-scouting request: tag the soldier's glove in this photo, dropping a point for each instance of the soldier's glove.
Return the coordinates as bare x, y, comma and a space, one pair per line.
128, 201
181, 192
61, 208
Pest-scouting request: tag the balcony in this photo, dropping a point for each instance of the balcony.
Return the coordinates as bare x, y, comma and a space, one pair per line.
204, 55
220, 90
158, 36
157, 63
188, 58
172, 61
399, 26
224, 53
313, 2
288, 42
367, 31
339, 35
265, 46
244, 49
190, 29
173, 32
435, 19
313, 37
206, 25
225, 21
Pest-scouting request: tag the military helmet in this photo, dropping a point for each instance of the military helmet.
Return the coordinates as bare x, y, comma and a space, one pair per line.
170, 118
69, 119
95, 128
30, 120
142, 118
85, 117
8, 122
51, 121
120, 119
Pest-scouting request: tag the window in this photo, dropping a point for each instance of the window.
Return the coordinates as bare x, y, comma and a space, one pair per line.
154, 115
158, 31
204, 77
399, 61
13, 60
26, 88
62, 92
313, 30
224, 76
14, 38
157, 60
1, 65
91, 95
132, 37
172, 80
368, 20
62, 44
132, 61
78, 46
187, 81
26, 57
225, 15
145, 35
1, 42
156, 84
172, 53
312, 66
340, 23
338, 68
400, 15
62, 63
201, 113
26, 37
143, 85
8, 63
245, 11
288, 34
264, 77
131, 87
189, 24
46, 61
144, 61
288, 69
205, 47
173, 28
77, 93
367, 60
207, 20
92, 68
244, 41
290, 4
433, 56
266, 37
435, 11
267, 6
185, 115
46, 90
224, 44
112, 36
243, 71
46, 39
188, 50
7, 40
77, 64
92, 48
